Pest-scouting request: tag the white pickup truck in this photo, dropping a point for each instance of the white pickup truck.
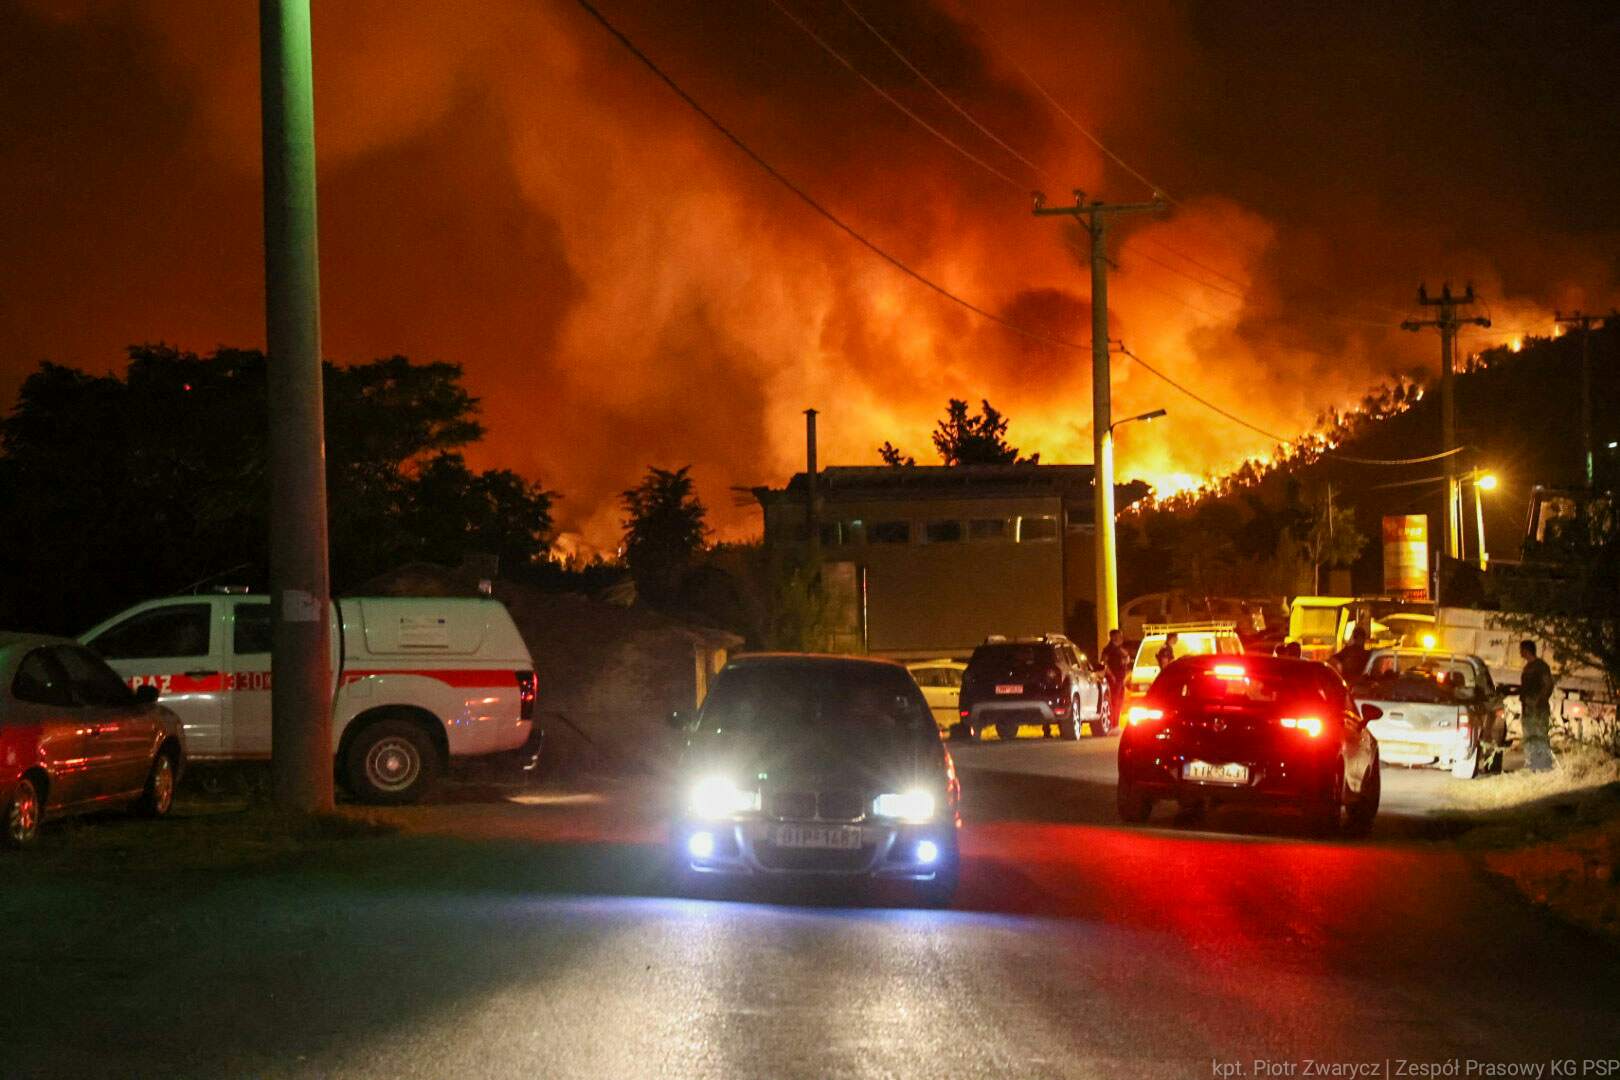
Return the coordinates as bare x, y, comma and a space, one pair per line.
417, 681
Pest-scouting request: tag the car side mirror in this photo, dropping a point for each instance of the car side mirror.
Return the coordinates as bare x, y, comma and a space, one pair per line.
1371, 712
680, 720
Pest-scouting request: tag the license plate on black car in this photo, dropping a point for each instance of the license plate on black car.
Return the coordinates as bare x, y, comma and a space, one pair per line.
1010, 688
1208, 773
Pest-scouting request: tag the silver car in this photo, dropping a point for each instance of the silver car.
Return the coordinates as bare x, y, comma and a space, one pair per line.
1440, 709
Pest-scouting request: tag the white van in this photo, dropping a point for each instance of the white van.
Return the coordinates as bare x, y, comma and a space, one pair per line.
417, 681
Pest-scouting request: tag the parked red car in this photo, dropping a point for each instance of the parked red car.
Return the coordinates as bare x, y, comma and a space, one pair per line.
74, 737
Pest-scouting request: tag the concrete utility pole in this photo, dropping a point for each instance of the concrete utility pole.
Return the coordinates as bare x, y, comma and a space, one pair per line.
1447, 322
301, 641
812, 517
1093, 216
1585, 323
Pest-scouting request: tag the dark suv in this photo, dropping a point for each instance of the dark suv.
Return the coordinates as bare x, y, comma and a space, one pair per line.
819, 766
1042, 681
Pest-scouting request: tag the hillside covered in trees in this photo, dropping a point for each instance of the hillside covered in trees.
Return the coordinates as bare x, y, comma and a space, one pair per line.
1518, 413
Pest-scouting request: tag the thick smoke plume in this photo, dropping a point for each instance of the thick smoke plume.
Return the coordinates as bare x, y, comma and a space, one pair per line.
504, 187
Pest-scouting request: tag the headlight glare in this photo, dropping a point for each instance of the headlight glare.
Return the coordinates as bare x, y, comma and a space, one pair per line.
908, 806
717, 797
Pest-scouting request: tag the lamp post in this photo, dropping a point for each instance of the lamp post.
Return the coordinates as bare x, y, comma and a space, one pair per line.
1108, 607
1482, 482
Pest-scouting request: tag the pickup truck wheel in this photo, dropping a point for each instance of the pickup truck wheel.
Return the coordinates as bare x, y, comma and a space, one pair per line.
391, 761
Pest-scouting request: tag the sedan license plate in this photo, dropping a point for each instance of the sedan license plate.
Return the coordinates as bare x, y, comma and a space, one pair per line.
1230, 773
1010, 688
840, 837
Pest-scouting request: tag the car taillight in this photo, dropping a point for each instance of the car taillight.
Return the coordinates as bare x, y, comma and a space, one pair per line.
1310, 725
528, 690
1143, 714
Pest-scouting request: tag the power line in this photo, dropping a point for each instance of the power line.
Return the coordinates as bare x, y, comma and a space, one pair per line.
896, 102
946, 98
804, 196
962, 111
1126, 166
1399, 461
1205, 402
810, 201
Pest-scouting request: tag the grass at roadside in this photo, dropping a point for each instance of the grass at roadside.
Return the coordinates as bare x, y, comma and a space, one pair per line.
197, 835
1553, 836
1580, 770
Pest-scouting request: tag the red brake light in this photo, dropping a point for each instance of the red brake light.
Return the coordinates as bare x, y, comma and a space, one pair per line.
1310, 725
528, 689
1230, 671
1143, 714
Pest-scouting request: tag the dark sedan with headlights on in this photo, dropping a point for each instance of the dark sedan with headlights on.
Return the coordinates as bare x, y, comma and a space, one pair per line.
802, 767
1278, 732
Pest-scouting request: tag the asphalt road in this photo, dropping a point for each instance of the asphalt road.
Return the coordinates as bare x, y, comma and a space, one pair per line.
528, 938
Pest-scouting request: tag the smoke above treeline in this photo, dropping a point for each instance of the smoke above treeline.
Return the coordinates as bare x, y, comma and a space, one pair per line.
505, 187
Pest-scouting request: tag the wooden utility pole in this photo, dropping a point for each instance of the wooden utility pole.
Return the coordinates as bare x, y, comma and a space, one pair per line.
1585, 323
1093, 217
1447, 321
301, 638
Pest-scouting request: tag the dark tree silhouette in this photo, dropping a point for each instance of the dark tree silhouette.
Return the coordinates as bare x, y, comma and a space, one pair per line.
118, 488
892, 455
663, 531
976, 440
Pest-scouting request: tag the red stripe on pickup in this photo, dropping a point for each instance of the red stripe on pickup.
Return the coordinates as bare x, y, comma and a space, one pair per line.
462, 678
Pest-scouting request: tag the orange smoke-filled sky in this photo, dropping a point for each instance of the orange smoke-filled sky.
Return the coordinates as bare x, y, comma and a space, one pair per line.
504, 187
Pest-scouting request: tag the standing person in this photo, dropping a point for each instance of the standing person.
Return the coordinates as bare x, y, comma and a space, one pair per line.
1535, 697
1116, 662
1167, 651
1352, 659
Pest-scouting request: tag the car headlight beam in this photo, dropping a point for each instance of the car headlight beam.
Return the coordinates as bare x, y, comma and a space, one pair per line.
717, 797
912, 805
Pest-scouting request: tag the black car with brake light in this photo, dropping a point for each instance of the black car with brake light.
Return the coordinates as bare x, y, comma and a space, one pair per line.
1273, 731
825, 767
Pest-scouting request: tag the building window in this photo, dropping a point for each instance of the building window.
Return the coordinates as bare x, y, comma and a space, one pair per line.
989, 529
1035, 527
943, 532
889, 532
840, 533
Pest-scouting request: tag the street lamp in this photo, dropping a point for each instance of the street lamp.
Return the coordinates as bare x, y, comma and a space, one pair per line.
1147, 417
1482, 481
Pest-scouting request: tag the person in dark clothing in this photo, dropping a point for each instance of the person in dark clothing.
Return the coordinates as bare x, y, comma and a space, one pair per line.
1116, 662
1167, 652
1352, 659
1535, 696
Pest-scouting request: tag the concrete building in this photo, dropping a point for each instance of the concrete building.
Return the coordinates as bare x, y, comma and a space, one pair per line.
936, 558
